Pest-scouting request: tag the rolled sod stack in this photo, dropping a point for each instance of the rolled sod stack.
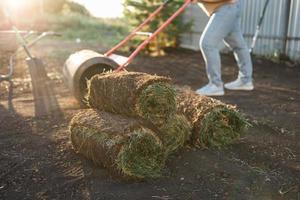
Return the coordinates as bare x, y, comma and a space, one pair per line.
133, 94
214, 124
122, 145
144, 96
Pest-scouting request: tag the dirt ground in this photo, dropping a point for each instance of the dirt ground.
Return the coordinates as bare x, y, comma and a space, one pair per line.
37, 160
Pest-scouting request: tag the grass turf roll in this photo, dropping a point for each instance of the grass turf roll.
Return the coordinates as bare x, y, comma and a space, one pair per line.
214, 123
175, 133
120, 144
133, 94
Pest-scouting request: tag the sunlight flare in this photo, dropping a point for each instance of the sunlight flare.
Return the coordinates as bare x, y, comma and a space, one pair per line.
16, 4
106, 9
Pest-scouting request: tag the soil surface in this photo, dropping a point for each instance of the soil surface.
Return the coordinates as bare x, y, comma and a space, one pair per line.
37, 160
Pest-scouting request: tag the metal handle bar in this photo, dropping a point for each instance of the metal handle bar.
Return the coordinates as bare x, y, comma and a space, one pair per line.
40, 37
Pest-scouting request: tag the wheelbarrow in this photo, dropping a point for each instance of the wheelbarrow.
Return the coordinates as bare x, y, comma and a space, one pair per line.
14, 41
82, 65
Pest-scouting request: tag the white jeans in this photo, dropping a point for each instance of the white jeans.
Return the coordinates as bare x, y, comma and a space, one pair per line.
225, 25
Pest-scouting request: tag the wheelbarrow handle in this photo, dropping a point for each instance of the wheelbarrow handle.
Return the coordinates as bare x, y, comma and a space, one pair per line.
37, 39
149, 39
20, 38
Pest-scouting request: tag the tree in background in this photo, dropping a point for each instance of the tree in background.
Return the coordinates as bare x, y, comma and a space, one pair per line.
58, 6
53, 6
136, 11
74, 7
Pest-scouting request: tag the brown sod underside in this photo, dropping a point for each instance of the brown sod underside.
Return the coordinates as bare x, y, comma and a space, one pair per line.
117, 143
133, 94
215, 124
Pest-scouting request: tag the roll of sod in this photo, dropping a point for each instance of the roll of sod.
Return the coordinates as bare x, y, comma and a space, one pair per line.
175, 133
214, 124
120, 144
133, 94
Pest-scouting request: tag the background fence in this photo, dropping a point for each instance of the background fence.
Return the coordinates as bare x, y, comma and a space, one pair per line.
280, 32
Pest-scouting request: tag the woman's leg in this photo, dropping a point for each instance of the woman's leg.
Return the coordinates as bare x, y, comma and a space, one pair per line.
220, 24
241, 52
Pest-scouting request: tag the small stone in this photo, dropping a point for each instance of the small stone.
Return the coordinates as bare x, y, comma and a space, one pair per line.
267, 179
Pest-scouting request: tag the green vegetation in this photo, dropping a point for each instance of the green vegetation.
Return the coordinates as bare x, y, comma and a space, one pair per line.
75, 22
74, 25
136, 11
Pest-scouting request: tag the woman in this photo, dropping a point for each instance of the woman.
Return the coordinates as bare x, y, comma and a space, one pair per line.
224, 25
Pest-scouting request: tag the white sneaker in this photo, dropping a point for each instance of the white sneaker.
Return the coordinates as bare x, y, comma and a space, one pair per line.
211, 90
239, 85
